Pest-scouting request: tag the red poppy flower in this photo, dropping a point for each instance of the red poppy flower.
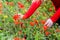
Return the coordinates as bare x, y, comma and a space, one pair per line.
16, 17
32, 23
16, 38
20, 5
45, 28
11, 3
47, 33
42, 21
0, 5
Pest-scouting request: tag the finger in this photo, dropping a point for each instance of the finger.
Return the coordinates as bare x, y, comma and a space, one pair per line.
46, 23
21, 16
49, 25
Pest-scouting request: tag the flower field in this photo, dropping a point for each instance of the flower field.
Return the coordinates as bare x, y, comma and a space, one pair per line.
29, 29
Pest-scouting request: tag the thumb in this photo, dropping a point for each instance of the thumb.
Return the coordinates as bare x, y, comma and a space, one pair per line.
46, 23
21, 16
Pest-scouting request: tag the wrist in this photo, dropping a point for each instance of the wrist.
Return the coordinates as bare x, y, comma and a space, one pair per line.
49, 23
51, 20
